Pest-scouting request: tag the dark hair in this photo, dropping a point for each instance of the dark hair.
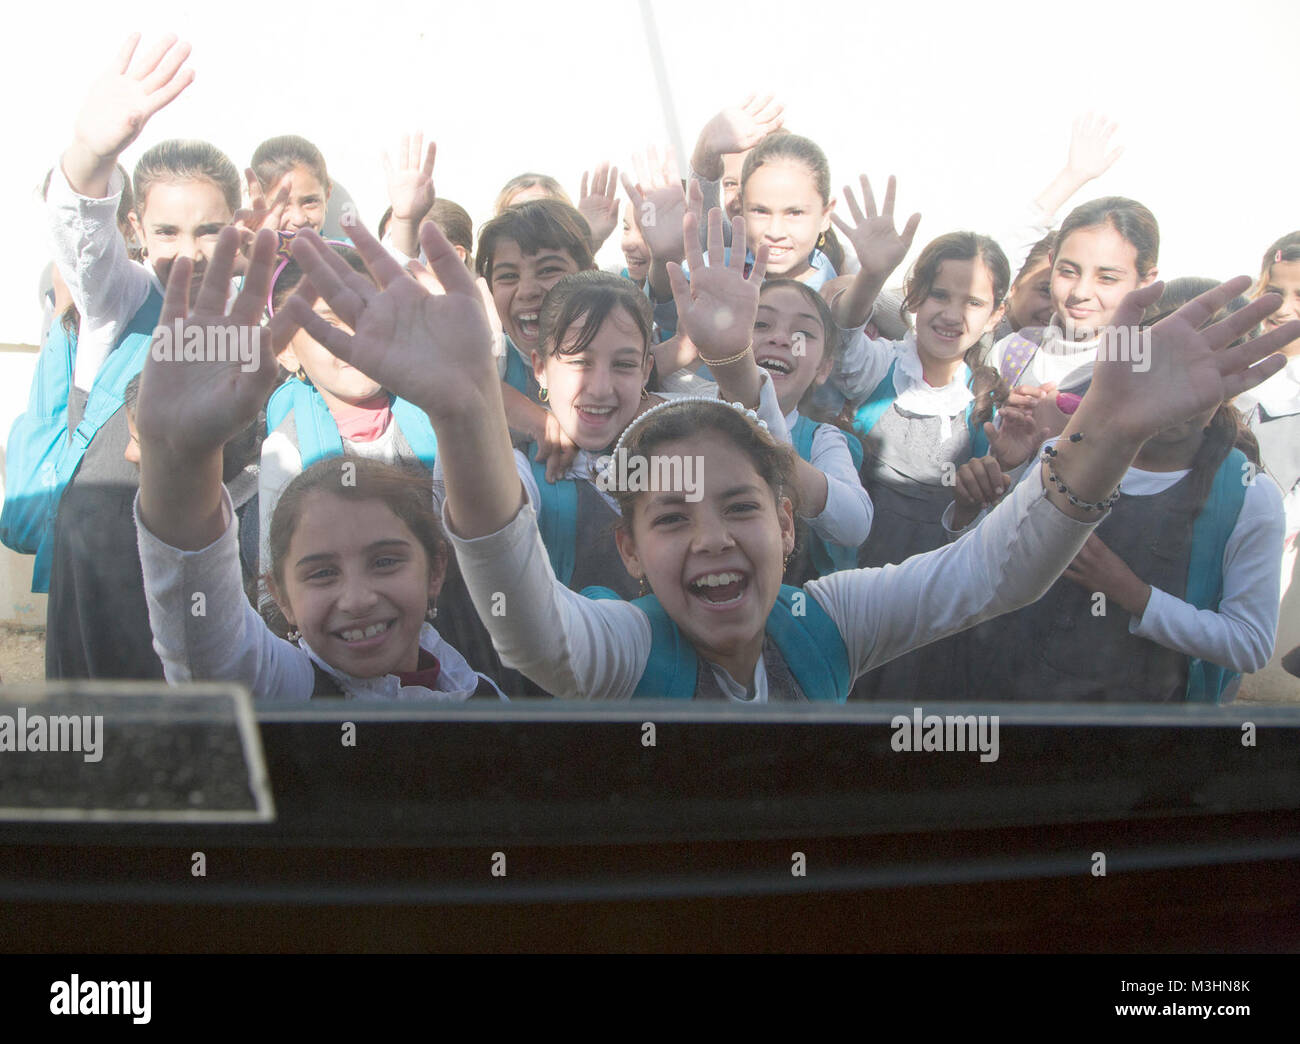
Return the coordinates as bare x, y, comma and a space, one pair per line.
537, 225
1285, 249
288, 278
786, 146
1178, 292
1129, 218
382, 227
183, 160
403, 489
986, 382
686, 419
275, 157
528, 180
131, 395
455, 223
589, 297
1226, 431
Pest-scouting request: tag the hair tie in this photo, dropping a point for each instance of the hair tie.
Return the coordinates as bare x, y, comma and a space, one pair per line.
1277, 258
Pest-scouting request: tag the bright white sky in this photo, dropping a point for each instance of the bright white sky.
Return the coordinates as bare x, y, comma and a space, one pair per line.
968, 103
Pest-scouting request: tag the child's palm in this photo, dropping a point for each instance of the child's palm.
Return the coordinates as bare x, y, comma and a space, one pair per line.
123, 98
410, 184
423, 334
880, 248
1150, 380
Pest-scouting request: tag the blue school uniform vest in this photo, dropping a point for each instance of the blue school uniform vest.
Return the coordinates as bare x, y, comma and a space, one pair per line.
572, 515
807, 639
318, 434
826, 557
517, 373
42, 455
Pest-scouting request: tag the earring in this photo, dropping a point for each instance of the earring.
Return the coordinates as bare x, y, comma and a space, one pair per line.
821, 241
644, 394
644, 585
293, 635
431, 613
543, 394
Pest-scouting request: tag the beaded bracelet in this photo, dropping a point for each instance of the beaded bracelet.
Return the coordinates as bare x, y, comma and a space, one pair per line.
1049, 457
729, 359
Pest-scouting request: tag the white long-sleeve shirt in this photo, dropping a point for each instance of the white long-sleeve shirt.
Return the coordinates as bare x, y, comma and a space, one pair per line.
577, 648
1241, 634
231, 642
107, 287
846, 518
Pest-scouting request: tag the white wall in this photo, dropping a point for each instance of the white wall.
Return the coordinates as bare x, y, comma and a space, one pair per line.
968, 103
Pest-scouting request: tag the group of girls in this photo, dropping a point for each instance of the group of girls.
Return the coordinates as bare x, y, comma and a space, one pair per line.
859, 496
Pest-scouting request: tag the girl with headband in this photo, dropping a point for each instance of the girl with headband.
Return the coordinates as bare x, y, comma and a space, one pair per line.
719, 622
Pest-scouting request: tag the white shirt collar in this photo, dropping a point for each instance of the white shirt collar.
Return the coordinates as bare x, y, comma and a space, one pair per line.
456, 679
917, 397
1279, 395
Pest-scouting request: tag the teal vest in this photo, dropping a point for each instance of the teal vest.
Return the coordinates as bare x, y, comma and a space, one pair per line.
318, 433
826, 557
42, 455
1206, 681
557, 518
883, 396
809, 642
517, 374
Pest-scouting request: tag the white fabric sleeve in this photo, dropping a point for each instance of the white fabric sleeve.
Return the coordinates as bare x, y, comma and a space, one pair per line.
573, 647
1009, 561
846, 519
107, 287
862, 364
1020, 236
1241, 634
228, 641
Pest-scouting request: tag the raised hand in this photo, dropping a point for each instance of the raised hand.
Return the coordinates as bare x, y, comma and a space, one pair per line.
597, 203
189, 408
879, 247
1184, 370
410, 180
555, 449
658, 203
422, 333
980, 484
717, 307
121, 102
735, 129
1016, 438
260, 213
1090, 156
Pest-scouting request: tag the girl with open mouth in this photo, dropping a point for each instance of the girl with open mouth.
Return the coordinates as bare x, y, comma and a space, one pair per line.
719, 622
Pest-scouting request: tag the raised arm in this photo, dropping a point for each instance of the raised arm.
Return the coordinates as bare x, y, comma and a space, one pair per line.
410, 191
880, 250
1025, 544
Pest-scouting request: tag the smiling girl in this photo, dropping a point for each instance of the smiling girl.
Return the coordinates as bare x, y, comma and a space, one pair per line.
295, 167
357, 556
185, 193
1272, 410
521, 254
1104, 250
719, 621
